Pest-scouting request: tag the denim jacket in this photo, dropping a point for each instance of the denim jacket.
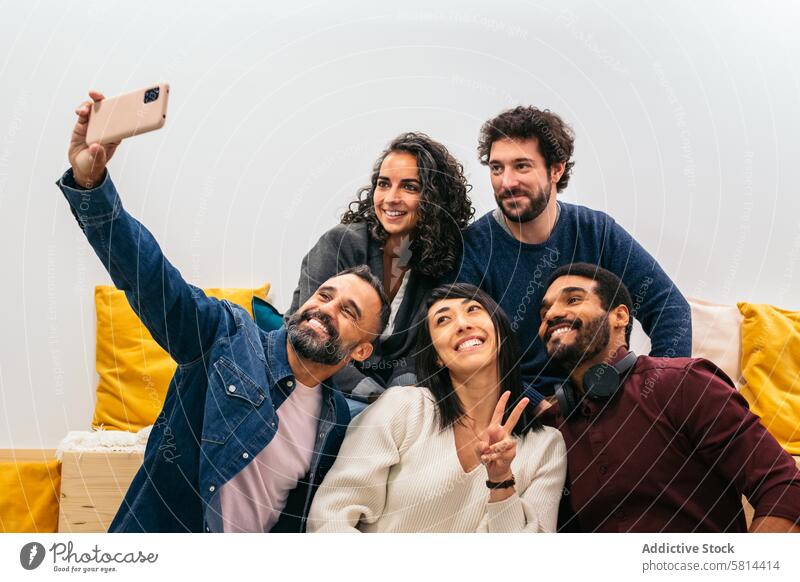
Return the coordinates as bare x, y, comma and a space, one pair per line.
221, 407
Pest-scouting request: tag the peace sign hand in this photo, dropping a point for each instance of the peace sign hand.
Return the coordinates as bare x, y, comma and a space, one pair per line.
499, 450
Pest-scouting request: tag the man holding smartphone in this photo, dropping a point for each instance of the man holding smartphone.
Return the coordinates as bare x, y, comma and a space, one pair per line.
251, 420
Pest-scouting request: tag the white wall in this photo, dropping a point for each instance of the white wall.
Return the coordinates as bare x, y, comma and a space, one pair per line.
685, 112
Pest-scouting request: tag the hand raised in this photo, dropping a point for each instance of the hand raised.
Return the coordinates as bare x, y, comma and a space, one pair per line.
88, 161
500, 448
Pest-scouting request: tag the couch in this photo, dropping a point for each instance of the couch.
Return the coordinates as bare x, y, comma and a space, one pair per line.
757, 346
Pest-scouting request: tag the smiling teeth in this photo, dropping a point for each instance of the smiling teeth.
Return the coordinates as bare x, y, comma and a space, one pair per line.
316, 323
470, 343
394, 213
560, 331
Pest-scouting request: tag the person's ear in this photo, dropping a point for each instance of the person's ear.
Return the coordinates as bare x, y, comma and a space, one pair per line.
556, 171
620, 317
362, 351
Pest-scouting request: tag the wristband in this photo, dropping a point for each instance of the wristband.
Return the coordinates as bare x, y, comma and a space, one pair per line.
501, 484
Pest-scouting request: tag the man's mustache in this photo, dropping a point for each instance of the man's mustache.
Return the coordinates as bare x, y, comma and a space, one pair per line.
575, 324
325, 319
513, 192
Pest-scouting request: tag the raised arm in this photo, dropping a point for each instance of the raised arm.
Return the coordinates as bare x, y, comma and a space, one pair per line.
522, 508
658, 303
179, 316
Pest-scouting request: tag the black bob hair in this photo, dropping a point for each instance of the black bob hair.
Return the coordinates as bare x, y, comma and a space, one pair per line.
437, 378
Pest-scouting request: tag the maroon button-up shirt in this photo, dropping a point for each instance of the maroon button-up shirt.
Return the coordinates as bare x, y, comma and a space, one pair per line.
674, 450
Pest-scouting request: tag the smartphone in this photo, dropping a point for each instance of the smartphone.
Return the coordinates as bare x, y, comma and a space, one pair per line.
112, 120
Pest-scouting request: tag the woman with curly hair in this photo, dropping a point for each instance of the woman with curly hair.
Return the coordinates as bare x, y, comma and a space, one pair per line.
406, 226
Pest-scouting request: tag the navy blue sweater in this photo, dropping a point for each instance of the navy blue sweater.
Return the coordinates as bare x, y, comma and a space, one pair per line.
515, 273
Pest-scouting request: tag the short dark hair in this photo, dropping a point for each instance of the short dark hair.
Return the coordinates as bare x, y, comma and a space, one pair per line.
437, 378
364, 273
556, 138
610, 288
445, 207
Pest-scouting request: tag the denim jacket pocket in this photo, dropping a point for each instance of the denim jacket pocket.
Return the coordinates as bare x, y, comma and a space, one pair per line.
232, 397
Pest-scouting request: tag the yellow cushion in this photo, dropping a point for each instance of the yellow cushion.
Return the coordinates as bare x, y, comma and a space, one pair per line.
134, 371
771, 370
29, 493
716, 336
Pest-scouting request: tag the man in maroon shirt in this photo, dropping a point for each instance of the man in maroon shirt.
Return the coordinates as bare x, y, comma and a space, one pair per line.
653, 444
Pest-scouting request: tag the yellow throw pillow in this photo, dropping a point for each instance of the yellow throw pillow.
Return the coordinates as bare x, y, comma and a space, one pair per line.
134, 371
29, 498
771, 370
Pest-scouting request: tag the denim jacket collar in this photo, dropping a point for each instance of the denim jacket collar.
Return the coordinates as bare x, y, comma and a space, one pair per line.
278, 369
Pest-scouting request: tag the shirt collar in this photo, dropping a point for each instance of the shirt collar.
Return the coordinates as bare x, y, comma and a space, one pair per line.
554, 417
621, 352
278, 368
500, 219
279, 372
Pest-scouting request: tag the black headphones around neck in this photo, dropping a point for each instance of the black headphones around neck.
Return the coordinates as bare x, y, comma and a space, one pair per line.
600, 382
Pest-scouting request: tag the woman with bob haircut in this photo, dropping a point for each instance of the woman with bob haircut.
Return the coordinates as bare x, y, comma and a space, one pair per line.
406, 226
465, 453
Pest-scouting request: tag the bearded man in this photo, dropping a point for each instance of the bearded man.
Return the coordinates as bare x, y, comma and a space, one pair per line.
653, 444
510, 252
251, 422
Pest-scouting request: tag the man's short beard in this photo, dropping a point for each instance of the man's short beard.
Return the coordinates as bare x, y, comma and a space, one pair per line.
590, 340
307, 345
538, 204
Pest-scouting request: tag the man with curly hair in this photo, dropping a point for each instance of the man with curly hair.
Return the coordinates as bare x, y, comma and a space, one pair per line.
511, 251
405, 225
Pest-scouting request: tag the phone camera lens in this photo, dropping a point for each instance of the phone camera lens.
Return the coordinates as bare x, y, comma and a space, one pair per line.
151, 94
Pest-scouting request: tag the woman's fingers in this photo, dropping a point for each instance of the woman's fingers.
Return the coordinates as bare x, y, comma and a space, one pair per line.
505, 451
513, 418
500, 447
500, 408
495, 433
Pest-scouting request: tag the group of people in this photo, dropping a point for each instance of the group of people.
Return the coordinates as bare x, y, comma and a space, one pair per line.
485, 366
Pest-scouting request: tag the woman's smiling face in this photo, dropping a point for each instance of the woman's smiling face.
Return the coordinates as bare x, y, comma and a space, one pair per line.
463, 335
397, 195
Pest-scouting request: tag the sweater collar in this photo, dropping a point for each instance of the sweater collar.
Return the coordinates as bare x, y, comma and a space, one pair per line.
499, 219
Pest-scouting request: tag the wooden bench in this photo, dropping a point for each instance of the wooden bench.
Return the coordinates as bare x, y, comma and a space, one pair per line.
93, 485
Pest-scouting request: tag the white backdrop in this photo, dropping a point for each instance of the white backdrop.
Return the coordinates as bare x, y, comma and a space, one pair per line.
685, 114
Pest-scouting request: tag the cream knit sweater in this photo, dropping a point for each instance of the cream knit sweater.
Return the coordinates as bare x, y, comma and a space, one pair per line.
397, 471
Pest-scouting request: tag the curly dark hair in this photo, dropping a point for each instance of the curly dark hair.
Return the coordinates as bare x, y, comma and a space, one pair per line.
556, 138
444, 210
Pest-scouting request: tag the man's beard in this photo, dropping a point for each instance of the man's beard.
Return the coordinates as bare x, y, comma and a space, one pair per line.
308, 345
590, 339
518, 212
